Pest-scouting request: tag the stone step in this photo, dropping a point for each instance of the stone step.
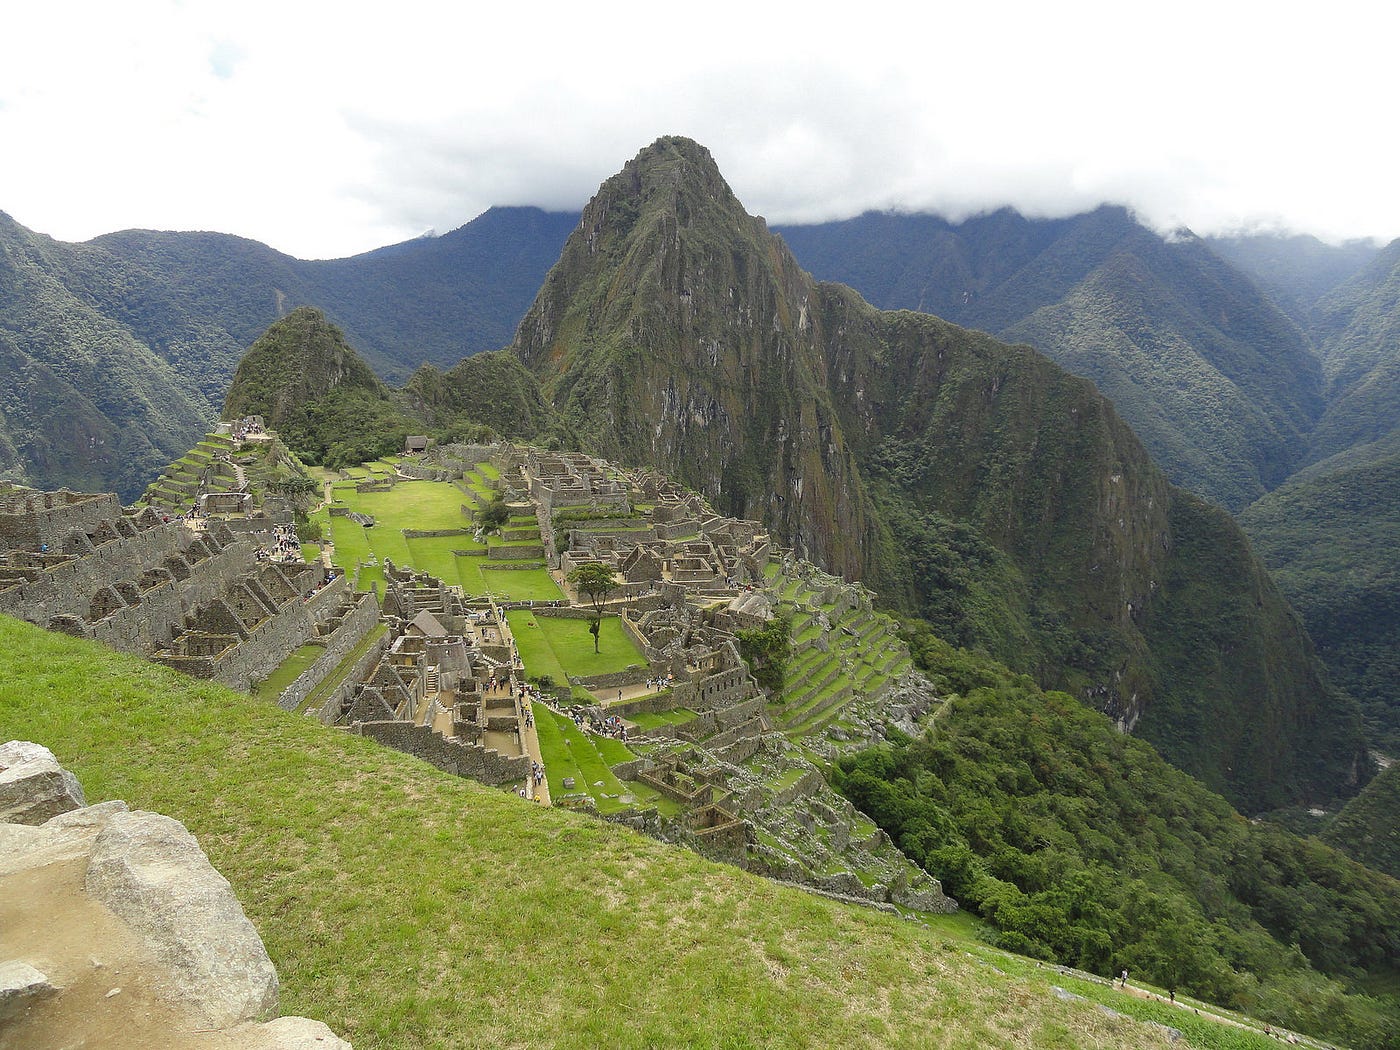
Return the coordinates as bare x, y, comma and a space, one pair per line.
831, 671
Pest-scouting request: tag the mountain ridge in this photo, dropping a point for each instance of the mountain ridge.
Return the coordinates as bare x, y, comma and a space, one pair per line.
676, 331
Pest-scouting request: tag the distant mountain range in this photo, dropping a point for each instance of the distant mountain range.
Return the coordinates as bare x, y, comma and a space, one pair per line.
118, 352
1258, 371
1261, 371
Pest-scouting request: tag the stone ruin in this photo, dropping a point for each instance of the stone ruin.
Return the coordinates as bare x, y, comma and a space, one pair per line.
424, 689
190, 594
156, 927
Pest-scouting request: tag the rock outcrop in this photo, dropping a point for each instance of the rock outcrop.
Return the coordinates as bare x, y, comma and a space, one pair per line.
33, 787
115, 930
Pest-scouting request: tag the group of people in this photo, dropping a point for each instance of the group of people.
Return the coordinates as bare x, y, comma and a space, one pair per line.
661, 682
242, 428
611, 725
285, 545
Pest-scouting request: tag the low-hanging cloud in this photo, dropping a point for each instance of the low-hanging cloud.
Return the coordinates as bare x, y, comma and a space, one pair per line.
324, 133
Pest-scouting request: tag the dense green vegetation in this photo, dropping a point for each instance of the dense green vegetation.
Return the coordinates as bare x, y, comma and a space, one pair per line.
1332, 539
1210, 374
311, 386
1296, 271
118, 352
767, 650
1366, 828
1079, 844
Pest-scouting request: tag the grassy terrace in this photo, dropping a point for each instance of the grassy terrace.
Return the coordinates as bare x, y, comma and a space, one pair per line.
271, 687
570, 752
428, 506
322, 692
549, 645
651, 719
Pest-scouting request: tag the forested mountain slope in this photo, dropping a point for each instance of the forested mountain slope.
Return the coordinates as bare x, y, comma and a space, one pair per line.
122, 348
83, 402
1216, 380
1295, 270
936, 463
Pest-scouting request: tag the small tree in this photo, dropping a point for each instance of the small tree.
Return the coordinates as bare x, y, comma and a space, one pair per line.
766, 650
493, 516
596, 580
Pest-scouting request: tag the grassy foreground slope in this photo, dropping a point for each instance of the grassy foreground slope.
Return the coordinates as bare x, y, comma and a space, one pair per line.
412, 909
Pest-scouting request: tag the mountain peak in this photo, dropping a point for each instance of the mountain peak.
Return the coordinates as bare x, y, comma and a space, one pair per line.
301, 357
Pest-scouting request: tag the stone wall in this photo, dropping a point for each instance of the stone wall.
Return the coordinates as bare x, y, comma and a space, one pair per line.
29, 518
341, 642
465, 760
634, 675
359, 671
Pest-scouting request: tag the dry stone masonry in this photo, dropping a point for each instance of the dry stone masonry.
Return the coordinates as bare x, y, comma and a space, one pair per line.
189, 591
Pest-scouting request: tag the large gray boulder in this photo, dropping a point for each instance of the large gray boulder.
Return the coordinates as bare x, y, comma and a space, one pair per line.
151, 872
33, 786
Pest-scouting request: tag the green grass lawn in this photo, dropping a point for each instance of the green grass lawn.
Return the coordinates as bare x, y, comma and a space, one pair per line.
580, 755
571, 646
414, 910
652, 719
287, 673
535, 651
426, 506
514, 584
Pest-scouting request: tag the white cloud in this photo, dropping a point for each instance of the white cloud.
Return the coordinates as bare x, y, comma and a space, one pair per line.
325, 129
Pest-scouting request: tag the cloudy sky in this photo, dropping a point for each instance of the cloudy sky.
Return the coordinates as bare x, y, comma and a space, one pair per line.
325, 129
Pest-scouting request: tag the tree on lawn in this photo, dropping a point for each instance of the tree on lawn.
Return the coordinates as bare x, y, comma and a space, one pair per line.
493, 516
596, 580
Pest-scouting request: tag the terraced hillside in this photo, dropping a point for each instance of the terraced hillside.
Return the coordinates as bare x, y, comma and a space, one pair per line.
508, 925
846, 656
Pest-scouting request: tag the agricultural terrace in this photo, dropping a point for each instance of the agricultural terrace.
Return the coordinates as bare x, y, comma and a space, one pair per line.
456, 559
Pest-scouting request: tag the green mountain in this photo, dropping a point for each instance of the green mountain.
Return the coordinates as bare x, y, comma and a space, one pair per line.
1358, 335
1080, 845
83, 402
1295, 270
973, 482
1331, 537
1366, 827
121, 348
1215, 379
311, 386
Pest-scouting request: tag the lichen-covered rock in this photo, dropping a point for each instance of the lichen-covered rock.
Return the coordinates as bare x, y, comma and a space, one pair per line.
33, 786
151, 872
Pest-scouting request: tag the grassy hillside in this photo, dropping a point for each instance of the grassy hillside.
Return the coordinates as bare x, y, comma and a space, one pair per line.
411, 909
